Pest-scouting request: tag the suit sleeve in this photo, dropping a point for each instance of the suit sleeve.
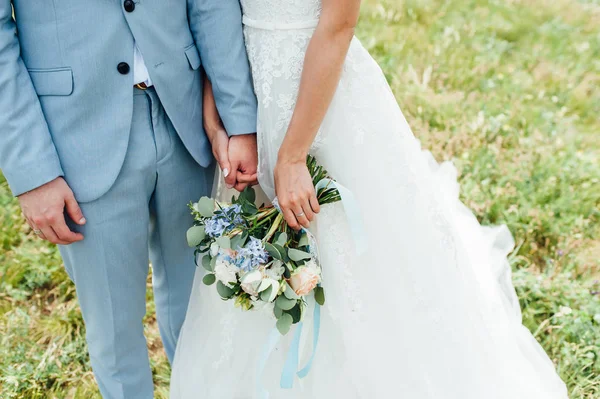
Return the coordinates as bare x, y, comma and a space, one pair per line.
28, 157
217, 29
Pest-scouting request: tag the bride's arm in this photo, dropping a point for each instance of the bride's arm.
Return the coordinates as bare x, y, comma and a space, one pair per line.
213, 126
323, 65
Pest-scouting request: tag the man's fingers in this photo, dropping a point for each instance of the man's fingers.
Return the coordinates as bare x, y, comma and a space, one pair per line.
240, 186
251, 179
49, 235
74, 211
65, 234
30, 223
244, 180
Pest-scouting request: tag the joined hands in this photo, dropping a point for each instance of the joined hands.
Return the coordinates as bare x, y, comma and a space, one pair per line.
237, 157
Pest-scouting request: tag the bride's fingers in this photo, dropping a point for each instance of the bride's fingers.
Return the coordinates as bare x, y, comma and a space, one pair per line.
308, 211
290, 218
221, 154
314, 204
302, 216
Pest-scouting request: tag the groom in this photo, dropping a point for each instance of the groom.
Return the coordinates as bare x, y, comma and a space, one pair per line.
102, 140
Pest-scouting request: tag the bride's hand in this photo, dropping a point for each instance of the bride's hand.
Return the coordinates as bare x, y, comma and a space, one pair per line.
295, 193
219, 141
218, 137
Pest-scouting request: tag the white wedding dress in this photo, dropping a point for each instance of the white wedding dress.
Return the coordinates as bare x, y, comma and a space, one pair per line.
429, 312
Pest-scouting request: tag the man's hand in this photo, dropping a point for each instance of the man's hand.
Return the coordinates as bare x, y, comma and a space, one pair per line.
44, 210
243, 158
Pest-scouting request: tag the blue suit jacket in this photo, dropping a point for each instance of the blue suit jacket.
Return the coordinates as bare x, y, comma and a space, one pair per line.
66, 107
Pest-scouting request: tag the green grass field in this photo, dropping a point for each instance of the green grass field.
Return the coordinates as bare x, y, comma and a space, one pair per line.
508, 89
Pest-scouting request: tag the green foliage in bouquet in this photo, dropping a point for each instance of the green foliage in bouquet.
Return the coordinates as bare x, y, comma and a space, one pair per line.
254, 258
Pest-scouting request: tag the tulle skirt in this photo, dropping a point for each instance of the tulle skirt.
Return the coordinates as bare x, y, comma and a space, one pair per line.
428, 312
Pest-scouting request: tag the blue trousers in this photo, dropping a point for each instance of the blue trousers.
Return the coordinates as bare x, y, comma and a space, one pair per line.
143, 216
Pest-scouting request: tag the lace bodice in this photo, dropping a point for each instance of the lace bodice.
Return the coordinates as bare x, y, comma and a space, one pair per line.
282, 11
277, 34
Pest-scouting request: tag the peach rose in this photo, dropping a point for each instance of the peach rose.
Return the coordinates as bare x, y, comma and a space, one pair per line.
305, 279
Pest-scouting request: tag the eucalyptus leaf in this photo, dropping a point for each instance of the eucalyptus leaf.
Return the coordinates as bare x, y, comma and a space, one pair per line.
266, 294
296, 255
249, 194
304, 241
277, 312
206, 263
236, 242
289, 292
284, 323
249, 208
224, 242
296, 313
225, 291
213, 263
209, 279
273, 251
206, 207
282, 251
195, 235
320, 295
284, 303
281, 239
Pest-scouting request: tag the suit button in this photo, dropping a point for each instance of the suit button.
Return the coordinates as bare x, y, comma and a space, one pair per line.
129, 5
123, 68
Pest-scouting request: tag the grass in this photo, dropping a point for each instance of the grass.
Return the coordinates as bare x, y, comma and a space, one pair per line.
508, 89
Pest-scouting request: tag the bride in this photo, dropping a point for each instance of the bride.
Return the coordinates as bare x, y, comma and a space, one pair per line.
429, 311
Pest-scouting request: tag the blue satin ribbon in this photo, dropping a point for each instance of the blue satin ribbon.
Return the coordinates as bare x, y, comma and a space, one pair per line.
290, 368
272, 341
353, 213
291, 363
316, 329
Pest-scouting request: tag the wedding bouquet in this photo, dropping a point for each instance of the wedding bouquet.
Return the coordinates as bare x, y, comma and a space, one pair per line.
255, 258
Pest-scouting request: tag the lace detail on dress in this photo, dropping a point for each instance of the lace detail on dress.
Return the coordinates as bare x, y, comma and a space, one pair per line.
285, 11
339, 245
277, 60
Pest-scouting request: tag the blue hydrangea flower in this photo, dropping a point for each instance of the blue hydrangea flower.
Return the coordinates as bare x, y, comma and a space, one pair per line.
225, 221
252, 255
234, 213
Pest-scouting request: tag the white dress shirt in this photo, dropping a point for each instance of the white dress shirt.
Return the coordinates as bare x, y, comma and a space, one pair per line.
140, 72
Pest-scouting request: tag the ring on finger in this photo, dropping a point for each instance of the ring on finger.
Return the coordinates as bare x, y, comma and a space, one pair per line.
300, 214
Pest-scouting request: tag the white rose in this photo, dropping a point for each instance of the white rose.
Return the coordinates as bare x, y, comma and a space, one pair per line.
226, 272
251, 282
